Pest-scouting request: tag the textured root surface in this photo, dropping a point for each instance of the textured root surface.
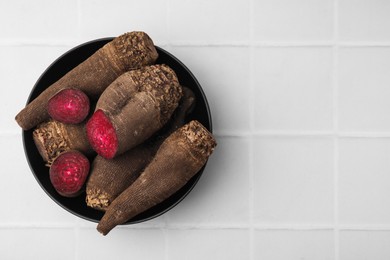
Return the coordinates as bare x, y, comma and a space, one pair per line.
178, 159
126, 52
97, 199
50, 140
199, 137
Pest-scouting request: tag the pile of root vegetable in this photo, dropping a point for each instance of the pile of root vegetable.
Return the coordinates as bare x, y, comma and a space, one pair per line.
128, 114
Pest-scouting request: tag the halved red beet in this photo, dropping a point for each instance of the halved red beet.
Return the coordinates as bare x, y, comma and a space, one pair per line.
69, 106
69, 172
102, 135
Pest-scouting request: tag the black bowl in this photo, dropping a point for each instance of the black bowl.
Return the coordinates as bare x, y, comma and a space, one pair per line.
60, 67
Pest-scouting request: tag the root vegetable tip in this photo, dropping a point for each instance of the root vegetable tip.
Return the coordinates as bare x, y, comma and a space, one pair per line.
69, 106
102, 135
69, 172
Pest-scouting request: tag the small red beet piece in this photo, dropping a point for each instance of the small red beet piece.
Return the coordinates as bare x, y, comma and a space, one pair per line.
69, 172
102, 135
69, 106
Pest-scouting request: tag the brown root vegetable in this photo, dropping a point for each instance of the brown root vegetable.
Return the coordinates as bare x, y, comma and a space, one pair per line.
132, 109
69, 172
126, 52
108, 178
53, 137
177, 160
69, 106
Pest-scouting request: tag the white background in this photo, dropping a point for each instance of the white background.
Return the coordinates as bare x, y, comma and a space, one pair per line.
300, 99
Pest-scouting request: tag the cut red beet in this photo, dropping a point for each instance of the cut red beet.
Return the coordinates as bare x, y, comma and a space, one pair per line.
69, 172
69, 106
102, 135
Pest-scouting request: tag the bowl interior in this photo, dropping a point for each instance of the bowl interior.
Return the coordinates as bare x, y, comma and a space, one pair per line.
60, 67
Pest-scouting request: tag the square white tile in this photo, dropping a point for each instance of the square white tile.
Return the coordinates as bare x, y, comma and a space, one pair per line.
361, 245
38, 243
364, 181
364, 20
104, 19
294, 244
41, 19
293, 180
217, 21
297, 20
208, 244
121, 243
364, 91
293, 89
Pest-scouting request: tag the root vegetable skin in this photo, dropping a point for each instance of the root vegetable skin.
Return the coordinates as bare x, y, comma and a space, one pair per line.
53, 138
108, 178
69, 172
178, 159
137, 105
126, 52
69, 106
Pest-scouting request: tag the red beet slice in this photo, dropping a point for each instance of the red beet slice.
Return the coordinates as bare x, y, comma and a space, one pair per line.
102, 135
69, 172
69, 106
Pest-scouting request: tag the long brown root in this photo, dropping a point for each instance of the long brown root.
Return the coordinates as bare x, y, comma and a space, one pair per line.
178, 159
126, 52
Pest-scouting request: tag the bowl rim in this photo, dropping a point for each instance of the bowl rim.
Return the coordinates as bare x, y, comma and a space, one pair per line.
195, 178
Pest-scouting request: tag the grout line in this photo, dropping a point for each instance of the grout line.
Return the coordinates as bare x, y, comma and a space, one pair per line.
215, 226
52, 42
252, 128
293, 227
336, 131
35, 226
39, 42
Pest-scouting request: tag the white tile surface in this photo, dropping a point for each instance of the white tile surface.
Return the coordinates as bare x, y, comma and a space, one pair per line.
149, 16
41, 19
294, 245
296, 20
228, 93
208, 244
122, 243
364, 89
208, 21
293, 182
364, 181
299, 94
360, 245
293, 89
37, 243
222, 194
365, 20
